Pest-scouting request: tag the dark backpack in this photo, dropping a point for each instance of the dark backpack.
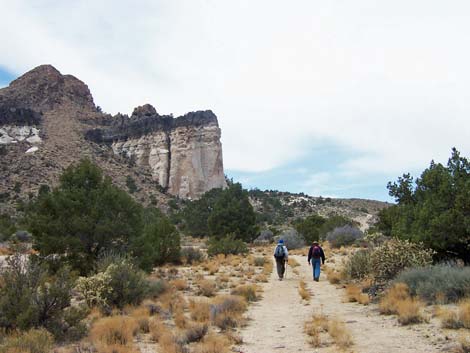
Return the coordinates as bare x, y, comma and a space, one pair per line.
316, 252
279, 252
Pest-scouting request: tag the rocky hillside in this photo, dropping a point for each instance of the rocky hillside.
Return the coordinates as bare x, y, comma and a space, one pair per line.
49, 120
282, 207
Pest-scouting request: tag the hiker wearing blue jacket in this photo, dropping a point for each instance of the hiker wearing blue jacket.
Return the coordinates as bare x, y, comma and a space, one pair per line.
317, 257
281, 255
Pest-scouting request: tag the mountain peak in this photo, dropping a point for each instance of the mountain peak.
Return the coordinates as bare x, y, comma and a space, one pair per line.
44, 88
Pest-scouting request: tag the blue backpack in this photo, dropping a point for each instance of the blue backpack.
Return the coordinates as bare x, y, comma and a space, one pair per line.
279, 252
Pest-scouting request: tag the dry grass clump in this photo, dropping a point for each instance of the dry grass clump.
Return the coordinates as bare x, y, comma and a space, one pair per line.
336, 329
212, 267
141, 314
464, 344
397, 293
156, 328
248, 291
113, 331
180, 319
268, 267
334, 277
32, 341
207, 287
226, 311
354, 294
195, 332
340, 334
456, 319
5, 251
199, 310
213, 343
180, 284
398, 301
293, 262
261, 278
303, 291
260, 261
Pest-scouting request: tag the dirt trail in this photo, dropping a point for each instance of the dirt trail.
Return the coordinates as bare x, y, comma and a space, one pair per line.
277, 320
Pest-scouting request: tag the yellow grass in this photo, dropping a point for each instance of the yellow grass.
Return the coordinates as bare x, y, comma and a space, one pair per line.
180, 284
156, 328
409, 311
334, 277
207, 287
464, 343
199, 310
340, 334
354, 294
293, 262
261, 278
389, 303
268, 267
248, 291
113, 331
464, 313
314, 327
213, 343
141, 314
303, 291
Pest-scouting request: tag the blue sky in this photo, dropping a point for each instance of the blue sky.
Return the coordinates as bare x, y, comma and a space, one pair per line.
5, 77
332, 98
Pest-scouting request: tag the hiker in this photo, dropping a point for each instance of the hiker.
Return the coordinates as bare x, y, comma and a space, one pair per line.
315, 254
281, 255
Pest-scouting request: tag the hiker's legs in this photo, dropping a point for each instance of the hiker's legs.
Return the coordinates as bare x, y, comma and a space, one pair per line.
280, 268
316, 269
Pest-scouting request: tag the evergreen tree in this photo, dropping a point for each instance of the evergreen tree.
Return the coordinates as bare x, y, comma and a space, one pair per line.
435, 209
82, 217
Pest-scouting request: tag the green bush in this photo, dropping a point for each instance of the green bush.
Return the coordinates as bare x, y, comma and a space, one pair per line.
7, 227
120, 284
192, 255
394, 256
159, 243
437, 283
309, 227
344, 236
32, 341
227, 245
358, 265
29, 298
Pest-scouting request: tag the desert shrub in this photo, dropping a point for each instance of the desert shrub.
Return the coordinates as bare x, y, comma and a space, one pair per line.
30, 297
159, 242
394, 256
266, 236
292, 239
354, 294
195, 332
192, 255
358, 265
120, 284
207, 287
7, 227
309, 227
32, 341
227, 245
259, 261
437, 283
226, 310
248, 291
344, 236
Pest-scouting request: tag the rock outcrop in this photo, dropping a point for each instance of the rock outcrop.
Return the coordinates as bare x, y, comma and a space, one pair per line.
49, 120
183, 154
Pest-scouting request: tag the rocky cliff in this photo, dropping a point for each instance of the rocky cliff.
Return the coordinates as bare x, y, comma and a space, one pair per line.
183, 154
49, 120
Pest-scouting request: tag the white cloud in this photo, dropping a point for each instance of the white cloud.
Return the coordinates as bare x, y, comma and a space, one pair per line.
386, 80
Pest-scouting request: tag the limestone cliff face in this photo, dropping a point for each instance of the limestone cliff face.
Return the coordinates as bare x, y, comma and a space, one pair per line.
183, 154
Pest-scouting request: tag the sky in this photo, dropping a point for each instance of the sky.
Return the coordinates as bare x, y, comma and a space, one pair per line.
332, 98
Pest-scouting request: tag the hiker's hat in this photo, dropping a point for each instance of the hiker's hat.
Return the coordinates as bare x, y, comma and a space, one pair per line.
281, 241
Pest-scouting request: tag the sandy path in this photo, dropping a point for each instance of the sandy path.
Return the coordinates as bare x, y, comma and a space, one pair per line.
277, 320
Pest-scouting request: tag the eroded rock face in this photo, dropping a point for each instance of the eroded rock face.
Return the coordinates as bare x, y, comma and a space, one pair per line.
183, 154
